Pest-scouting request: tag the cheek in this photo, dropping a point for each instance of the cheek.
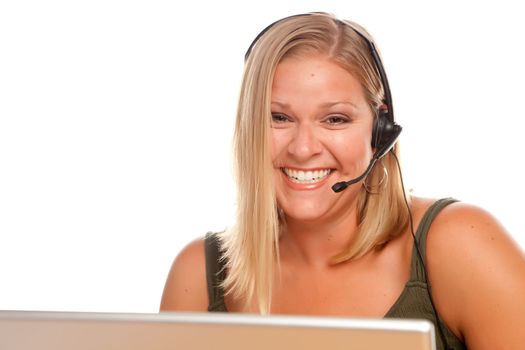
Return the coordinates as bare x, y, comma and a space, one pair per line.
351, 147
277, 144
350, 142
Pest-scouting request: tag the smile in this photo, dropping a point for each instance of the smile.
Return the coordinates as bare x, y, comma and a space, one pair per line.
306, 177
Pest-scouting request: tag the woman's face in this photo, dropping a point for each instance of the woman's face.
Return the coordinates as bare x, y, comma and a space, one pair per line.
321, 134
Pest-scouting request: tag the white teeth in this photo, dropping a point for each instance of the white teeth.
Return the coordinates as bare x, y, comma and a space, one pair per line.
306, 177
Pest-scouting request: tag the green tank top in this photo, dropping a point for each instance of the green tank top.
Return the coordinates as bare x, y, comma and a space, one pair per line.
414, 301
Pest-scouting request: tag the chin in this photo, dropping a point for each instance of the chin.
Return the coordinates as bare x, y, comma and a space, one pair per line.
302, 213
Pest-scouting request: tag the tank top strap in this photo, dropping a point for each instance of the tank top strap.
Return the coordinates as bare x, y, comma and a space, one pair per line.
417, 268
215, 272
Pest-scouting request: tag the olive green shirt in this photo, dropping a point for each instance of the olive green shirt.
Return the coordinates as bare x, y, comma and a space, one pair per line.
414, 302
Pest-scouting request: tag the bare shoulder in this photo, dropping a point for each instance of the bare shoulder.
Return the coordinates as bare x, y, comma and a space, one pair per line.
477, 272
470, 232
186, 288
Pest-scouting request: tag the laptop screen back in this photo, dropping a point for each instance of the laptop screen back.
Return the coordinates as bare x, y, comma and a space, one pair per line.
25, 330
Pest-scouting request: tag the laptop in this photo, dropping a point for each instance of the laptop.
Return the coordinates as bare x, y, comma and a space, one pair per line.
30, 330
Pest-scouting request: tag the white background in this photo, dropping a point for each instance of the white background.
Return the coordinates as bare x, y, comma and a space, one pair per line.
116, 120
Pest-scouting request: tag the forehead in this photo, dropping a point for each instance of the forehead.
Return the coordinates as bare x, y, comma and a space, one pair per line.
317, 75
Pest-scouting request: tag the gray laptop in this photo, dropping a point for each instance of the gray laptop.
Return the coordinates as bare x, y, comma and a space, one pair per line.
27, 330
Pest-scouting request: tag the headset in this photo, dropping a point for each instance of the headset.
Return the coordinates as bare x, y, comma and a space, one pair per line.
385, 133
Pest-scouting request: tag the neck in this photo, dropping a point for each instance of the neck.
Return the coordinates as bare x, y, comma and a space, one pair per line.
315, 242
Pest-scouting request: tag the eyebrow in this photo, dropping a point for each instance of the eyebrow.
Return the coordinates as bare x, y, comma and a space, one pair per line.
281, 104
331, 104
323, 105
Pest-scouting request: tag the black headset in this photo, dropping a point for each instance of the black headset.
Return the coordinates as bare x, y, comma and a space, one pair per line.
385, 131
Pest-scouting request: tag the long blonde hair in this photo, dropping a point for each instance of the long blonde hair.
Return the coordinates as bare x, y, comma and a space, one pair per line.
251, 247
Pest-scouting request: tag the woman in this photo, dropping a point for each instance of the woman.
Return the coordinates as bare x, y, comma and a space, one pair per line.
315, 111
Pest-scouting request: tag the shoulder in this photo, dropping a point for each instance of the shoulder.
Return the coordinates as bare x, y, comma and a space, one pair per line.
186, 286
477, 273
467, 232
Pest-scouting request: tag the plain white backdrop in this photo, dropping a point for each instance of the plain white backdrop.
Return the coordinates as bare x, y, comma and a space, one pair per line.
116, 120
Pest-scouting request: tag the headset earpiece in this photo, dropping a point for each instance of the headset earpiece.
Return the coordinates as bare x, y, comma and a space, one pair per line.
384, 133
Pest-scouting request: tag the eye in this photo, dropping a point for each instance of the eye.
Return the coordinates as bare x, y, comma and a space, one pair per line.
337, 120
279, 118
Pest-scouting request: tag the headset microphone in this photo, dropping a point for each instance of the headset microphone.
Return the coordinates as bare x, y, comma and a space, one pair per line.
338, 187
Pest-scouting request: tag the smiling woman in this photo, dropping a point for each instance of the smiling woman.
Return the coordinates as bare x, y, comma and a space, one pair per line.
315, 110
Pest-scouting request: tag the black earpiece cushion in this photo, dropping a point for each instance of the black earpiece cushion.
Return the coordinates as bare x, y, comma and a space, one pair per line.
384, 134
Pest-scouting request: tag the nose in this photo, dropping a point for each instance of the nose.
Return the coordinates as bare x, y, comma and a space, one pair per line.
305, 143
